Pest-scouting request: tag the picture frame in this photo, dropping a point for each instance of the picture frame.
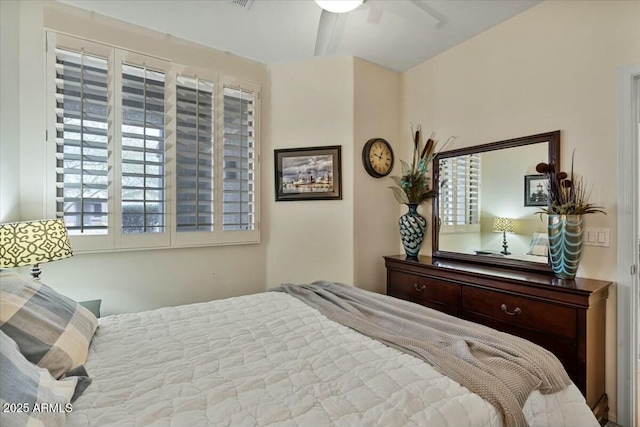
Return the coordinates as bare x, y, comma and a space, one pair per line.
536, 190
309, 173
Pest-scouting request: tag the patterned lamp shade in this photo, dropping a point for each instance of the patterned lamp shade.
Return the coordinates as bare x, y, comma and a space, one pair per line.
504, 224
33, 242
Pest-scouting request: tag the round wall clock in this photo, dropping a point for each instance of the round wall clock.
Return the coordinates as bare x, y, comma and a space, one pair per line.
377, 157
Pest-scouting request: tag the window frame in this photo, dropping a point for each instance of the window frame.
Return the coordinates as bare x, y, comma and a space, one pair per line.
94, 242
114, 239
197, 238
237, 236
141, 240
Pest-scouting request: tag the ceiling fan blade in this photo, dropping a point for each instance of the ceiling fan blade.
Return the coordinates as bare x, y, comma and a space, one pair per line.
326, 27
411, 11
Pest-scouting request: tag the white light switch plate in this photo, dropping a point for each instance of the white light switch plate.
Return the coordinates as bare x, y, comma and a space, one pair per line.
596, 237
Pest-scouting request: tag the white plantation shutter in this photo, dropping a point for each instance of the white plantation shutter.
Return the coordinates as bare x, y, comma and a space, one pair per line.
141, 156
143, 145
195, 179
239, 160
459, 192
473, 189
81, 111
446, 192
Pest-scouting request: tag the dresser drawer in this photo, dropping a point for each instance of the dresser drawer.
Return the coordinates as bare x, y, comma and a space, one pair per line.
561, 347
520, 311
423, 290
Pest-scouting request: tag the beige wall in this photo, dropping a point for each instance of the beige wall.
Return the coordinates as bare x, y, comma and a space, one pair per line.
333, 101
125, 281
9, 111
311, 105
465, 242
551, 67
376, 115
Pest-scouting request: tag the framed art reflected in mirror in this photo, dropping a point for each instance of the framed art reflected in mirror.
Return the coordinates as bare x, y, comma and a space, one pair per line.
536, 190
481, 183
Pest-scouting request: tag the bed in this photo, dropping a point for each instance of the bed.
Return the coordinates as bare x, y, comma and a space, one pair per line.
270, 359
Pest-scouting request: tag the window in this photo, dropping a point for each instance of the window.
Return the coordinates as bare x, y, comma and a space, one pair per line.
195, 155
460, 193
81, 141
146, 156
239, 159
142, 150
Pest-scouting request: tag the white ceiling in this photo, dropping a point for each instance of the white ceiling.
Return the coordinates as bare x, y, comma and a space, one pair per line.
396, 34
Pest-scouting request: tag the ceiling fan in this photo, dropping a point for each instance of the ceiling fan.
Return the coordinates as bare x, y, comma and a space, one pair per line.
334, 14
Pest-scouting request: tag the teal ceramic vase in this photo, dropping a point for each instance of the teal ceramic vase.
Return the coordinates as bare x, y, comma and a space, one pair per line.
565, 244
412, 229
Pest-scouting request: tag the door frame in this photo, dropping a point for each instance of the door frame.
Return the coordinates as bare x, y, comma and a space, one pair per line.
628, 287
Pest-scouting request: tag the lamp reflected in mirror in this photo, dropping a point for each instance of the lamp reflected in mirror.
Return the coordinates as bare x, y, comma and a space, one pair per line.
504, 225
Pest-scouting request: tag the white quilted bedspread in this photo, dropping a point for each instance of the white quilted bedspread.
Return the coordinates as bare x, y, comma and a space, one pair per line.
271, 360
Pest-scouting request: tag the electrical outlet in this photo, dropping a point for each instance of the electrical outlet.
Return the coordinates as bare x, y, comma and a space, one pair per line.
596, 237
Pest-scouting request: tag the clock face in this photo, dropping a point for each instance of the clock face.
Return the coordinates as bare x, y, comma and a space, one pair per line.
377, 157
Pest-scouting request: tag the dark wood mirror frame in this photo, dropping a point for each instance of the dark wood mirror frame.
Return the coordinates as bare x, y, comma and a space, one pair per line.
553, 140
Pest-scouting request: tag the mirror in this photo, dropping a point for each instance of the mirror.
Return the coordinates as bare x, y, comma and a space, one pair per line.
489, 194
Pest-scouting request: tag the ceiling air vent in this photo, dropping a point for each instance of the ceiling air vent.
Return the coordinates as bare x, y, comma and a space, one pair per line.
245, 4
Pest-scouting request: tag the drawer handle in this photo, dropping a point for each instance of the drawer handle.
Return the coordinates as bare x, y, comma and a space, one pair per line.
511, 313
421, 288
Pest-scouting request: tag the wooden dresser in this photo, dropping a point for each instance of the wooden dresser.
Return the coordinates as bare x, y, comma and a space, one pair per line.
565, 317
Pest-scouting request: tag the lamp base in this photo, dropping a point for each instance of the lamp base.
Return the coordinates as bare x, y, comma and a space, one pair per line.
504, 244
35, 271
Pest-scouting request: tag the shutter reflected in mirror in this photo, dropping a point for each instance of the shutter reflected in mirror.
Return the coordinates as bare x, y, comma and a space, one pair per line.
460, 191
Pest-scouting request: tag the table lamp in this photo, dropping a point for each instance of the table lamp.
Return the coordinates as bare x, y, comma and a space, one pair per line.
504, 225
33, 242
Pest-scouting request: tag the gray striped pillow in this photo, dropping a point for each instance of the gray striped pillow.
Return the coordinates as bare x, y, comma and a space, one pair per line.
29, 395
50, 329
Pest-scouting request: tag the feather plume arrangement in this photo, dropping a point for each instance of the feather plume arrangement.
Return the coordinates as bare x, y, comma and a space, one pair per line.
568, 193
414, 186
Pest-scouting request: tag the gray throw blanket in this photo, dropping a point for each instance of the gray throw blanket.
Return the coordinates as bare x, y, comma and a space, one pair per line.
500, 368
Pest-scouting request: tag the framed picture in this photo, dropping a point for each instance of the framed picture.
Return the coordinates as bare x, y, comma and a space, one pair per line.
536, 190
308, 173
